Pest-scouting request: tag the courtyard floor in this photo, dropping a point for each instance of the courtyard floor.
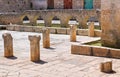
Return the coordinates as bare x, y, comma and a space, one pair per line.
56, 61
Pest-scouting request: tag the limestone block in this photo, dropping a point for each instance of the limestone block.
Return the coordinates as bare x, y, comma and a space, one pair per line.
91, 29
100, 51
28, 29
73, 33
52, 30
81, 49
38, 29
106, 67
17, 28
8, 45
115, 53
34, 48
61, 31
98, 33
68, 31
46, 38
75, 49
82, 32
9, 27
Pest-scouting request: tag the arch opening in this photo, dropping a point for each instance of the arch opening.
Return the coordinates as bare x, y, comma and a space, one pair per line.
56, 22
26, 20
40, 21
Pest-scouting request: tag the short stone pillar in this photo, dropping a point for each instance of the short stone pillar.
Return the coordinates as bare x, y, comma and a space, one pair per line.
8, 45
106, 67
35, 48
91, 29
73, 33
46, 38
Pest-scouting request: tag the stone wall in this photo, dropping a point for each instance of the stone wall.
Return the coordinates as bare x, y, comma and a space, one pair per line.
14, 5
23, 5
66, 31
95, 51
81, 16
110, 22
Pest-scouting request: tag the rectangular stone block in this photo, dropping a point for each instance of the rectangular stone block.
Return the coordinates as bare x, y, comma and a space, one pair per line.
100, 51
115, 53
17, 28
9, 27
28, 29
98, 33
52, 30
68, 31
82, 32
61, 31
37, 29
81, 49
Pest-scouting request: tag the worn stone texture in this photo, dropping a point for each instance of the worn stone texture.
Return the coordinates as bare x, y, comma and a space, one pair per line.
81, 50
91, 32
8, 45
106, 67
46, 38
61, 31
115, 53
110, 17
34, 48
101, 52
73, 29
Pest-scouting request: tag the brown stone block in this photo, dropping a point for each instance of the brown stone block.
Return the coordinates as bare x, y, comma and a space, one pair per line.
61, 31
68, 31
82, 49
100, 51
82, 32
37, 29
106, 67
115, 53
17, 28
75, 49
52, 30
98, 33
28, 29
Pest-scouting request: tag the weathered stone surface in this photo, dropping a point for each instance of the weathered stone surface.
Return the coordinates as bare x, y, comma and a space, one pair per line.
34, 48
73, 33
9, 27
97, 33
115, 53
106, 67
61, 31
46, 38
37, 29
52, 30
82, 32
100, 51
110, 22
81, 49
8, 45
91, 29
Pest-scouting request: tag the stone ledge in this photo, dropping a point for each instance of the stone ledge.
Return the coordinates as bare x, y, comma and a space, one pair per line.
81, 32
95, 51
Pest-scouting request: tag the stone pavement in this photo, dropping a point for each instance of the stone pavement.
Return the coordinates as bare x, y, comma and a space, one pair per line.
55, 61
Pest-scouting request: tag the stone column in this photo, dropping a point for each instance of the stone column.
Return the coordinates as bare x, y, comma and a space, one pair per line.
106, 67
8, 45
35, 48
73, 33
91, 29
46, 38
